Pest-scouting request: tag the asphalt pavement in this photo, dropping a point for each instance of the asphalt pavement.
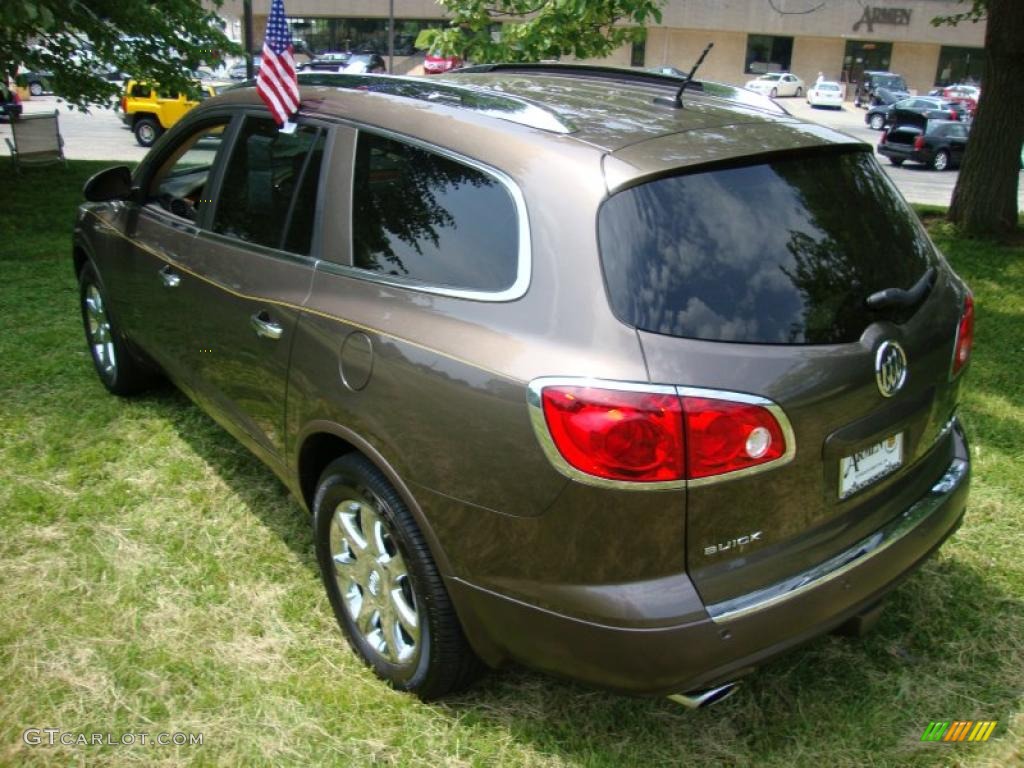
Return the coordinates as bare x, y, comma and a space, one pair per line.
100, 135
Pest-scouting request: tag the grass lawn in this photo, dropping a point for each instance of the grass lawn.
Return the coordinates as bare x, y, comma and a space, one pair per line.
157, 578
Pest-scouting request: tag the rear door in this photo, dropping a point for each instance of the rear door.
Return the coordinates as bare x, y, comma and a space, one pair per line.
252, 263
753, 278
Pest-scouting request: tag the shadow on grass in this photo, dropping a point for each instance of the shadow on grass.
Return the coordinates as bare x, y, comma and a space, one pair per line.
939, 653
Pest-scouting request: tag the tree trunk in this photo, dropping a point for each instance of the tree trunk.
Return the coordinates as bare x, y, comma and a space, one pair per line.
985, 197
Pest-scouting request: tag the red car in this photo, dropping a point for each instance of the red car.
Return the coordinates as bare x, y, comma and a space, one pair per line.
434, 64
967, 95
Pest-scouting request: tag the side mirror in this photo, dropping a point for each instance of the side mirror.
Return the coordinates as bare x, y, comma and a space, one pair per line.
110, 184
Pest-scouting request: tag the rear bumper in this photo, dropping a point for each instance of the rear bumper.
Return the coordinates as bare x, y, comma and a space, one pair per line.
732, 637
907, 152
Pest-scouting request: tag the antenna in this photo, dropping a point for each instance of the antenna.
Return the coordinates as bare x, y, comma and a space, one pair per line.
677, 102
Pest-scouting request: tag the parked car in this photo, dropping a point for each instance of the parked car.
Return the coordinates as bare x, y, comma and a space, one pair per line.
330, 61
10, 103
880, 88
435, 64
776, 84
826, 93
881, 115
967, 95
239, 70
746, 440
936, 143
37, 82
149, 113
360, 63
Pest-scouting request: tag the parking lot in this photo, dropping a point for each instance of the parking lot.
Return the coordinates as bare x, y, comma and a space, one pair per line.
100, 135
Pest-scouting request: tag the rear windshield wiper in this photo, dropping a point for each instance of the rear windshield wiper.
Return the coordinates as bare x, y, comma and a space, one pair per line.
898, 297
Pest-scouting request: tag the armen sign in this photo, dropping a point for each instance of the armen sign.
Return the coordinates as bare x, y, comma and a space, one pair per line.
898, 17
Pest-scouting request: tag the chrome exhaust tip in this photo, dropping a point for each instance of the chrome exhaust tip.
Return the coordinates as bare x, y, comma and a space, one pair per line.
705, 698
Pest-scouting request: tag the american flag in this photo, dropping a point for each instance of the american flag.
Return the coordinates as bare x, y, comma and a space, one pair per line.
277, 83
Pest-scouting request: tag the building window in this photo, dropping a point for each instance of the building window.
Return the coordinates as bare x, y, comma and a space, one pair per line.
960, 65
863, 56
638, 53
768, 53
319, 35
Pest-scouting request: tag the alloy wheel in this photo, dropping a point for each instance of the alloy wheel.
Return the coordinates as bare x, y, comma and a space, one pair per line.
373, 579
101, 340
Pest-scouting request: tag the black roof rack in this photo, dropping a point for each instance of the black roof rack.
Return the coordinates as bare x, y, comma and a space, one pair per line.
630, 76
481, 100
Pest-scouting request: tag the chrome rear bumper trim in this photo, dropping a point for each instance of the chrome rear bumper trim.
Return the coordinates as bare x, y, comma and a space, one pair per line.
857, 555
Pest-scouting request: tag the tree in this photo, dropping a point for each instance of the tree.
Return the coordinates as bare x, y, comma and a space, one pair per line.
531, 30
985, 196
80, 41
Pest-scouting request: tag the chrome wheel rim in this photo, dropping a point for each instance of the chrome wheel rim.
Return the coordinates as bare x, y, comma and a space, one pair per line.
147, 133
373, 579
940, 162
101, 339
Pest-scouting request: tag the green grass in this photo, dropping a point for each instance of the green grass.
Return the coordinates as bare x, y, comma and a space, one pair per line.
155, 577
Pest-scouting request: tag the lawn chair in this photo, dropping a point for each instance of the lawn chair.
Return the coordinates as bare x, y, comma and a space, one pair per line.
37, 140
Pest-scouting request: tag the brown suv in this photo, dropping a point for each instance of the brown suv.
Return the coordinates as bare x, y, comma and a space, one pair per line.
633, 389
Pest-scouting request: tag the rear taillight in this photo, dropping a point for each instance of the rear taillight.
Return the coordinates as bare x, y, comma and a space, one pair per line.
654, 435
964, 337
919, 142
954, 115
17, 98
724, 436
124, 103
632, 436
885, 136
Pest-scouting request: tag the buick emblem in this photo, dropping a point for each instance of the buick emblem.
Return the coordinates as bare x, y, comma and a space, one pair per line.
890, 368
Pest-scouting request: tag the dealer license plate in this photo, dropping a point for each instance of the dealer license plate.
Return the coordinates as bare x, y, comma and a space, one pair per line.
869, 465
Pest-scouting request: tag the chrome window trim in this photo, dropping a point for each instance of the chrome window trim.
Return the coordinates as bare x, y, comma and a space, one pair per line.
524, 255
857, 555
540, 428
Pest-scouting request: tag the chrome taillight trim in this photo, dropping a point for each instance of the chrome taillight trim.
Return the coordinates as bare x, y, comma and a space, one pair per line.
540, 428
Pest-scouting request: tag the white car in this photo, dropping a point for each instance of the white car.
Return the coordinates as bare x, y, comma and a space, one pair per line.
777, 84
826, 93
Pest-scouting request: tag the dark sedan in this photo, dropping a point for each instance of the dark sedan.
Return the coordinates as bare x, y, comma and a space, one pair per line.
936, 143
882, 115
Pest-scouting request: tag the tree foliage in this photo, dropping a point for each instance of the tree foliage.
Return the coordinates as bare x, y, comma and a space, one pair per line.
530, 30
985, 196
79, 41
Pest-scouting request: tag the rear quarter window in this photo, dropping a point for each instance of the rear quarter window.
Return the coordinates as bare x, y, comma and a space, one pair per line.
425, 217
783, 252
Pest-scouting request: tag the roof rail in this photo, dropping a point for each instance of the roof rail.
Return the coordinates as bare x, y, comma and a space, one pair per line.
630, 76
465, 96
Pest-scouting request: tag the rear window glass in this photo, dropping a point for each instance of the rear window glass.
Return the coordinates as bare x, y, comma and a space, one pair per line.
779, 253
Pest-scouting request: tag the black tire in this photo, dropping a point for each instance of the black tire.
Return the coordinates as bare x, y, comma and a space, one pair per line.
877, 121
775, 93
897, 161
940, 162
799, 92
120, 369
35, 88
441, 661
147, 130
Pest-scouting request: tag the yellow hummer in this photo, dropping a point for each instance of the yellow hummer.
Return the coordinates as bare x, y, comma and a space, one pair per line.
149, 113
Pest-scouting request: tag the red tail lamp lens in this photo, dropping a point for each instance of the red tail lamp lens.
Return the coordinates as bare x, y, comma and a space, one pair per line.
723, 436
653, 437
964, 336
633, 436
919, 142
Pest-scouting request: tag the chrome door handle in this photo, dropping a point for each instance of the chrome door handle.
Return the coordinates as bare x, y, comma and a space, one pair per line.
266, 327
170, 278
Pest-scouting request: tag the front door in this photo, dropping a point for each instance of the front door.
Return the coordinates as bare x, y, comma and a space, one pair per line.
162, 232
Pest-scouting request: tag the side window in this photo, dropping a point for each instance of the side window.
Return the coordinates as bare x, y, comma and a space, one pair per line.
271, 179
180, 184
422, 216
